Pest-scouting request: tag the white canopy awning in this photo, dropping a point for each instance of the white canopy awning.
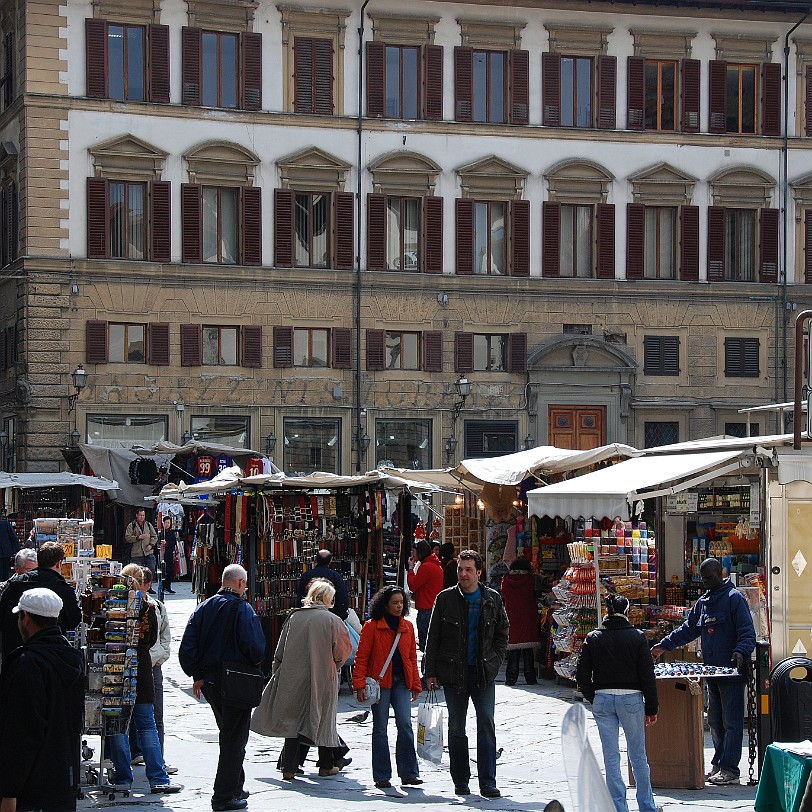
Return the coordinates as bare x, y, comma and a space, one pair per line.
55, 480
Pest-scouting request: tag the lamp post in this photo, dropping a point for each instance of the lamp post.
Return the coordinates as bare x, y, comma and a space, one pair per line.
464, 388
270, 444
79, 379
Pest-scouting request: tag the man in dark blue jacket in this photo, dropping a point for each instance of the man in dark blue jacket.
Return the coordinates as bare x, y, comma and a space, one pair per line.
207, 642
722, 618
324, 570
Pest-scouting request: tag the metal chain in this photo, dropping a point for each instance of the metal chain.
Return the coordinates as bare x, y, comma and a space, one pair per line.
752, 724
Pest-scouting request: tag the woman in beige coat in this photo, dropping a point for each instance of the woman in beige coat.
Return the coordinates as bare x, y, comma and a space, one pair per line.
299, 702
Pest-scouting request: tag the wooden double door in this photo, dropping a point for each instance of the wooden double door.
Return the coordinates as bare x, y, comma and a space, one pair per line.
576, 427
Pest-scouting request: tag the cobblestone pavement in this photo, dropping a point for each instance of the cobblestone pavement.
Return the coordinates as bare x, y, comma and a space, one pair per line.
530, 767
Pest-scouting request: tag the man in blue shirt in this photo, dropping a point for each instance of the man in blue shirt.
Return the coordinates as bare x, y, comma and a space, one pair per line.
322, 569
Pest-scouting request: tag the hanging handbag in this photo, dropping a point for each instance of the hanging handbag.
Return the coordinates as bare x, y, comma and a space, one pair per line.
373, 686
240, 683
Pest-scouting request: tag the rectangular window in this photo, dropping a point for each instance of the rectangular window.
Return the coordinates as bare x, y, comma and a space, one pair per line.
127, 219
489, 238
576, 91
661, 355
740, 430
660, 433
578, 329
490, 438
402, 233
490, 353
576, 241
661, 95
489, 82
221, 225
124, 431
311, 445
660, 257
125, 62
740, 245
8, 454
224, 429
742, 358
312, 221
311, 348
402, 350
402, 81
220, 346
741, 98
220, 69
126, 343
403, 443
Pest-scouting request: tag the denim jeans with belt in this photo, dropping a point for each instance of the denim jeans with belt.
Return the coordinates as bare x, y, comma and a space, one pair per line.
726, 721
144, 720
611, 712
400, 698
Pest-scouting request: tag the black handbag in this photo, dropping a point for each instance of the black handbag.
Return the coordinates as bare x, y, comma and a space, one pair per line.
240, 684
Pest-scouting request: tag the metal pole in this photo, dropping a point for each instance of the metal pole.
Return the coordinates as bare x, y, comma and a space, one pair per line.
803, 317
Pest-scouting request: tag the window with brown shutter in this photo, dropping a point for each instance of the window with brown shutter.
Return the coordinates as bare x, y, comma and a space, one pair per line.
344, 230
434, 82
551, 89
342, 348
97, 219
517, 352
635, 238
158, 63
283, 203
376, 232
716, 244
808, 246
717, 74
433, 234
808, 99
464, 228
9, 64
691, 70
376, 350
191, 49
96, 58
661, 355
376, 79
251, 54
463, 83
96, 342
191, 216
689, 243
9, 225
550, 238
520, 238
607, 92
251, 346
605, 221
433, 351
160, 224
191, 345
282, 347
251, 222
635, 93
519, 87
771, 99
158, 344
742, 358
313, 75
463, 352
768, 246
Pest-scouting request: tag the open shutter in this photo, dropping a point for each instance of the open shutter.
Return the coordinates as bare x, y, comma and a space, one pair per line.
691, 71
96, 342
519, 87
376, 232
97, 221
376, 79
251, 345
808, 97
433, 351
342, 348
191, 46
303, 75
550, 238
636, 94
191, 218
465, 236
282, 347
283, 204
768, 246
251, 44
433, 235
323, 78
808, 246
520, 238
251, 222
689, 243
635, 240
463, 84
96, 58
717, 71
517, 352
551, 89
716, 244
160, 218
158, 344
191, 345
463, 352
771, 99
607, 92
605, 221
345, 231
376, 350
159, 63
434, 82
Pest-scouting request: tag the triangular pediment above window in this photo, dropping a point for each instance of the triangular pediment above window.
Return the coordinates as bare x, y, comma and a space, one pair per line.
221, 162
579, 182
313, 170
662, 184
492, 178
742, 187
802, 190
404, 173
128, 157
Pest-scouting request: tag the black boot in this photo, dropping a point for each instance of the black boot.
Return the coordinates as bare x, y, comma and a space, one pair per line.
512, 668
529, 662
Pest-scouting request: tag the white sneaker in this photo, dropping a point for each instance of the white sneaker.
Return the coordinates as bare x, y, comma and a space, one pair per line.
170, 770
723, 778
138, 761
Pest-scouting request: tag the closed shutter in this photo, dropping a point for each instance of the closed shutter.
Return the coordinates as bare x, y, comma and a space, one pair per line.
251, 222
433, 351
808, 96
5, 227
433, 234
323, 78
751, 358
742, 357
464, 229
771, 99
376, 350
463, 352
691, 84
718, 96
716, 244
96, 58
4, 364
10, 84
517, 352
636, 93
520, 238
159, 64
158, 344
550, 238
160, 217
345, 231
670, 346
303, 75
283, 205
282, 347
551, 90
689, 243
605, 221
463, 84
607, 92
251, 44
768, 246
191, 345
251, 346
191, 46
808, 246
96, 342
342, 348
97, 221
376, 232
434, 82
635, 240
191, 218
376, 78
661, 355
519, 87
12, 210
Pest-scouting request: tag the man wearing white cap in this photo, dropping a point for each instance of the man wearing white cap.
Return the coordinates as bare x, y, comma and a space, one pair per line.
41, 707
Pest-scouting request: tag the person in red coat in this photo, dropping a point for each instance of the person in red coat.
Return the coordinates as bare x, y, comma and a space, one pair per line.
425, 580
519, 595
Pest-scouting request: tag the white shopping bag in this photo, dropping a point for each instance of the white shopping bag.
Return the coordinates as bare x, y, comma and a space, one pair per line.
430, 729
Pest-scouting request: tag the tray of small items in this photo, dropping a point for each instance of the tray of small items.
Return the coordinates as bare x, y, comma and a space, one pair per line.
681, 670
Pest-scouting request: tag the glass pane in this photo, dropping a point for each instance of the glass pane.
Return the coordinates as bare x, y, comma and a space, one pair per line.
496, 359
403, 443
411, 351
748, 99
480, 112
115, 338
732, 99
650, 244
393, 82
411, 234
567, 92
223, 429
481, 258
135, 63
393, 355
228, 70
124, 431
393, 258
210, 224
584, 93
583, 243
302, 220
567, 250
228, 345
135, 344
208, 90
497, 238
117, 219
137, 220
211, 346
497, 88
747, 251
668, 103
321, 231
301, 348
652, 98
667, 235
320, 348
311, 445
410, 83
115, 61
229, 231
480, 352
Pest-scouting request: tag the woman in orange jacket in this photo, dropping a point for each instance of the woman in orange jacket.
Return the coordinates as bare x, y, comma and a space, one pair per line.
400, 683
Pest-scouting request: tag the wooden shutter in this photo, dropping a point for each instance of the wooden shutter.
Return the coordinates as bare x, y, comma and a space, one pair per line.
750, 357
717, 71
282, 347
716, 244
463, 84
158, 344
465, 236
96, 58
96, 342
191, 220
605, 221
636, 94
251, 345
303, 75
251, 223
463, 352
342, 348
607, 92
519, 87
551, 89
434, 82
10, 84
520, 238
283, 207
323, 77
98, 224
191, 345
159, 63
661, 355
432, 235
376, 350
808, 97
433, 351
771, 99
689, 243
808, 246
550, 238
345, 231
635, 240
376, 79
160, 218
376, 232
251, 45
517, 352
690, 92
768, 246
191, 46
12, 208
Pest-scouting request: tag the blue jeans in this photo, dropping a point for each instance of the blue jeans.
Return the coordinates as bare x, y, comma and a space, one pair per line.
484, 699
400, 698
611, 712
423, 618
726, 721
144, 720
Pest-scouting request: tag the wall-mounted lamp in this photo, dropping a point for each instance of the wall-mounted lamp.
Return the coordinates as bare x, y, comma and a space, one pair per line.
187, 436
442, 299
529, 442
450, 447
270, 444
4, 441
74, 438
74, 289
463, 387
179, 406
79, 378
362, 442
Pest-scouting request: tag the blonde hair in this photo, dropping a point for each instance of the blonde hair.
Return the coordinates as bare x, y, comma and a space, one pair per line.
134, 571
320, 590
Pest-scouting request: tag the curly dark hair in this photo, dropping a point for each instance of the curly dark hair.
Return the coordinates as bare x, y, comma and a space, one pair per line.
380, 600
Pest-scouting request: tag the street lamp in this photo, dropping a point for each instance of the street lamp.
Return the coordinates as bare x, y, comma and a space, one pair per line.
74, 438
362, 442
450, 447
270, 444
186, 437
79, 379
529, 442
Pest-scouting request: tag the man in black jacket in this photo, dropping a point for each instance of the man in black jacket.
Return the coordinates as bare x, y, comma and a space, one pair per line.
42, 691
324, 570
465, 648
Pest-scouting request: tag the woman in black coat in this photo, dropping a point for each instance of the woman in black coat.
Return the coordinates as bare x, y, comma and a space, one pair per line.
170, 540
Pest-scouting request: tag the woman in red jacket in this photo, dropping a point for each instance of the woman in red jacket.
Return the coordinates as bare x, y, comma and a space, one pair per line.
400, 683
519, 595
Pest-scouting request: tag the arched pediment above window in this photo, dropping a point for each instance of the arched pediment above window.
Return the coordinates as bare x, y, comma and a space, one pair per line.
584, 352
313, 170
579, 182
221, 163
405, 173
742, 187
661, 185
492, 178
128, 157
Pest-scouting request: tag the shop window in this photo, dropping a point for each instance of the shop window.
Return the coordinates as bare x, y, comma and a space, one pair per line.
127, 343
740, 430
405, 81
491, 86
220, 346
483, 352
658, 433
578, 91
224, 429
661, 355
745, 98
402, 350
313, 76
311, 347
117, 342
403, 443
311, 445
742, 357
124, 431
490, 438
493, 237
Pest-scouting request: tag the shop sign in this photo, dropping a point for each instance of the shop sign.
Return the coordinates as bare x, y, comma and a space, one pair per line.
685, 502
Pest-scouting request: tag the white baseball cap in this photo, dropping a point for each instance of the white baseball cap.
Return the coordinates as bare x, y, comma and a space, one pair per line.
39, 601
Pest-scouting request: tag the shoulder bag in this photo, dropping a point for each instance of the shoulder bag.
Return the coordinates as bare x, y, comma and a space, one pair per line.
373, 686
240, 683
